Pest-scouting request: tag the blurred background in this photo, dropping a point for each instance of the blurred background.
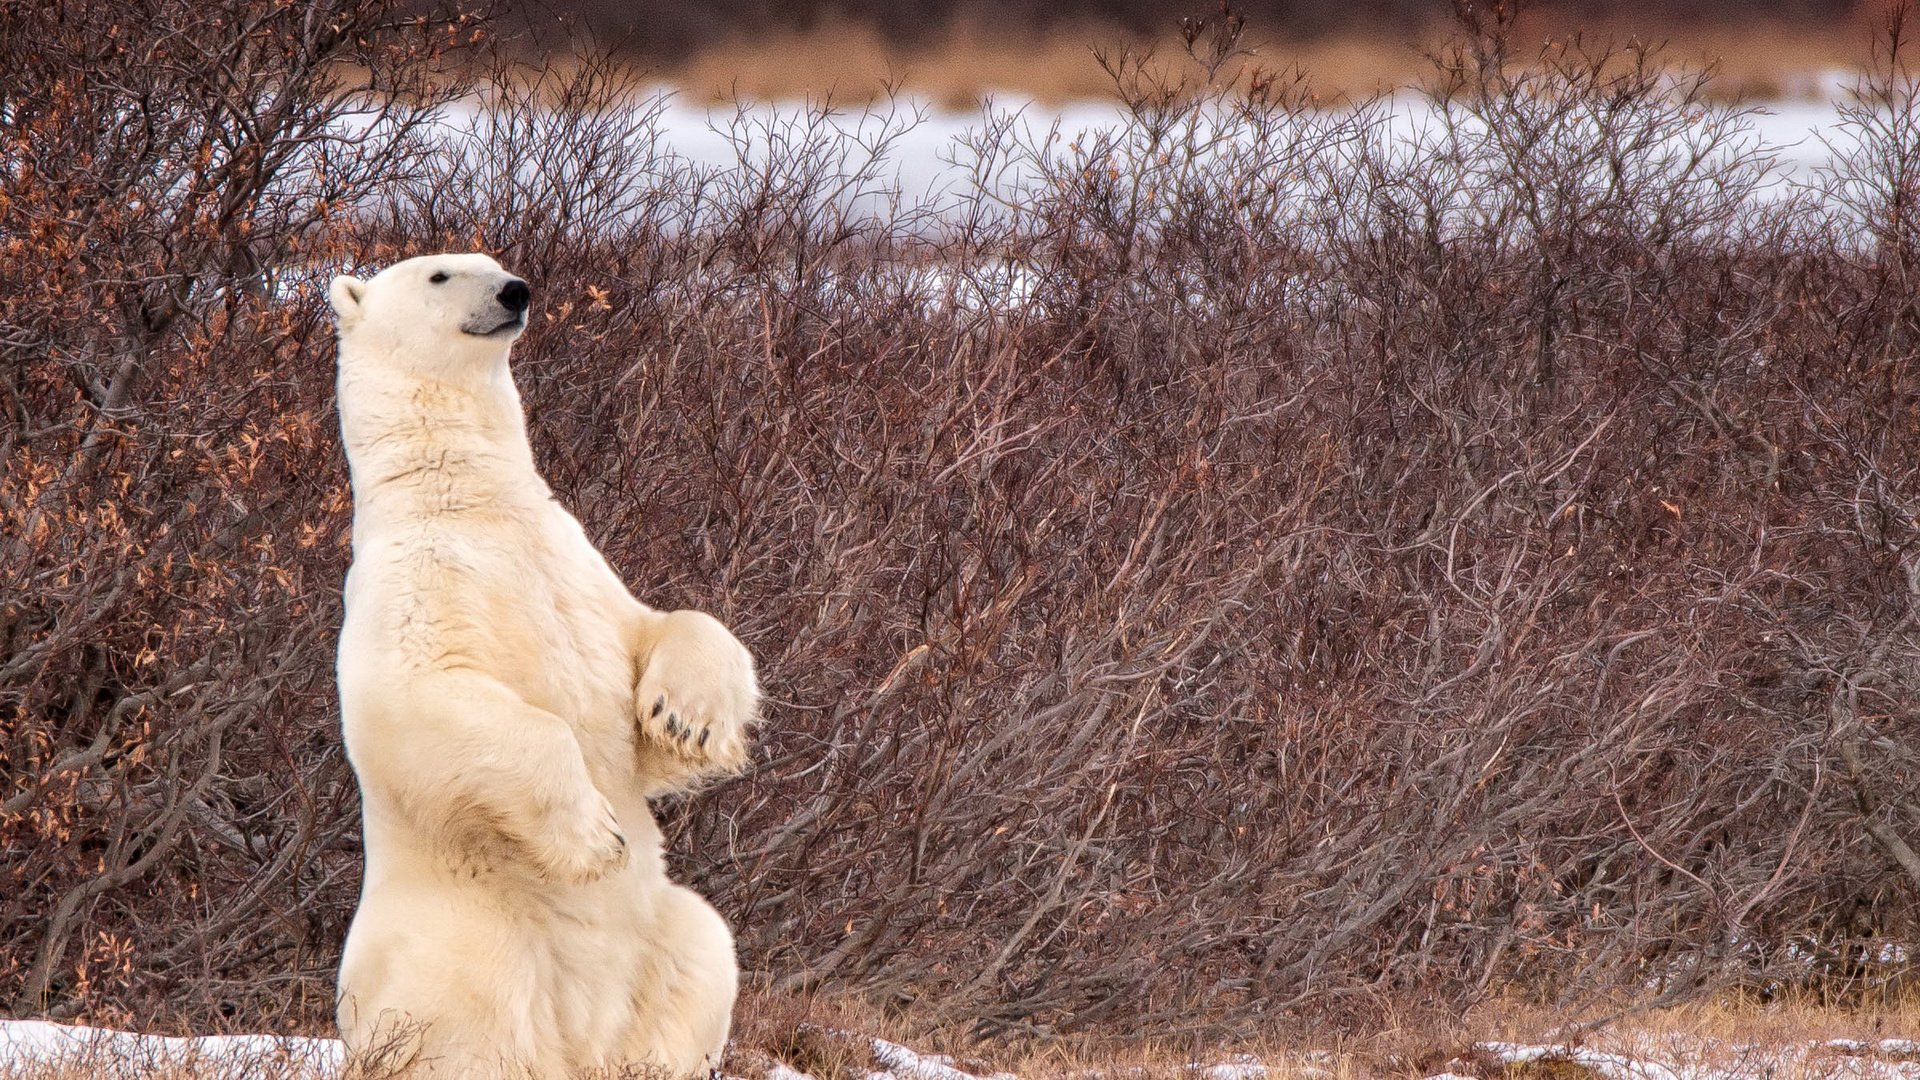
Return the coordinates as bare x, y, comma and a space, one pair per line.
959, 52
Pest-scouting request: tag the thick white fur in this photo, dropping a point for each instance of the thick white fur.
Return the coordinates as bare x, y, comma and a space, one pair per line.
509, 708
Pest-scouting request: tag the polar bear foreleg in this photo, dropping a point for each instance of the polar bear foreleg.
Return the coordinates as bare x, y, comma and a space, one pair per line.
696, 697
470, 753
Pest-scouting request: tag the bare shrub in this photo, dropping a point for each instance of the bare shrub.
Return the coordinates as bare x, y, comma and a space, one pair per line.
174, 817
1249, 563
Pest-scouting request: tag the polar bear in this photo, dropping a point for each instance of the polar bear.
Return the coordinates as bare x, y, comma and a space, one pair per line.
508, 708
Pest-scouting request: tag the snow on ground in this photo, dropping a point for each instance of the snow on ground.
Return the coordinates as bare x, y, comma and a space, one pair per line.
923, 153
125, 1053
927, 147
899, 1063
1611, 1066
1892, 1048
1243, 1067
25, 1044
1680, 1058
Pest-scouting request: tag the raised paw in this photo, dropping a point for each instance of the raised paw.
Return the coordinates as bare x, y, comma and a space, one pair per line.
697, 695
584, 843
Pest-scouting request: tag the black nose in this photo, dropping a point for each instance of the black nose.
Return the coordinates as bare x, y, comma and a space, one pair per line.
514, 296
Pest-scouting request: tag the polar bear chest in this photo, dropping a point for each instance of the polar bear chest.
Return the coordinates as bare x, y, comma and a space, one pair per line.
567, 624
524, 598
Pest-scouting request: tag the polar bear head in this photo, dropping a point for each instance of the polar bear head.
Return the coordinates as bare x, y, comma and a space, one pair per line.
433, 311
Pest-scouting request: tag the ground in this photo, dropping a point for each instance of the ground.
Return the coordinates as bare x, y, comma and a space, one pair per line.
1701, 1043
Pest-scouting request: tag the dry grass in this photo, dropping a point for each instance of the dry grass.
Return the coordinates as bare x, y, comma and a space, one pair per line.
1785, 1039
853, 63
829, 1036
1729, 1020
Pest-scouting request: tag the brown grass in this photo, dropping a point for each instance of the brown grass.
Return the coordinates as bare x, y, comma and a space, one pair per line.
850, 62
829, 1036
1731, 1019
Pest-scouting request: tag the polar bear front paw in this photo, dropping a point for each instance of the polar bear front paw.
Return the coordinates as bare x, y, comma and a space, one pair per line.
585, 843
697, 695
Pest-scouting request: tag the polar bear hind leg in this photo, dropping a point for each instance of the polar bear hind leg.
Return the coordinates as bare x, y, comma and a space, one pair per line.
471, 1034
682, 1013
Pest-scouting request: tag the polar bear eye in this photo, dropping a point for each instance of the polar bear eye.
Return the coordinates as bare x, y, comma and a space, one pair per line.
439, 277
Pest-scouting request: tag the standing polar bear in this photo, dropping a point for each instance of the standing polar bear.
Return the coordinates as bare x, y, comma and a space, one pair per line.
508, 708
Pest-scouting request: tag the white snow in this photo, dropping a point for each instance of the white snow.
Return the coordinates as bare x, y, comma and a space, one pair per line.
926, 152
1683, 1058
1240, 1067
110, 1053
1611, 1066
900, 1063
1887, 1047
43, 1042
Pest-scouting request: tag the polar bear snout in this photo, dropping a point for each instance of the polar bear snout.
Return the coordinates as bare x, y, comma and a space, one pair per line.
515, 296
509, 317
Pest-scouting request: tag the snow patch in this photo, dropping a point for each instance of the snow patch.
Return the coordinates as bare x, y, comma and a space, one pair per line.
1239, 1067
43, 1042
1611, 1066
113, 1054
1893, 1048
1684, 1058
900, 1063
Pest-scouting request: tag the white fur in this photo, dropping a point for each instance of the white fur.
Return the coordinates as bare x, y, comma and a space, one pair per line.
498, 687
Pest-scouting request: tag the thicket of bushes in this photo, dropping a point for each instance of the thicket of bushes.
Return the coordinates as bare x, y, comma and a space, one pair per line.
1245, 564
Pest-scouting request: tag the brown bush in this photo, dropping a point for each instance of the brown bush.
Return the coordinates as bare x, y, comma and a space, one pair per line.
174, 816
1234, 567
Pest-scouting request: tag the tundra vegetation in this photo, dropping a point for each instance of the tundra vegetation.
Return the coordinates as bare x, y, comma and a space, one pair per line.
1248, 567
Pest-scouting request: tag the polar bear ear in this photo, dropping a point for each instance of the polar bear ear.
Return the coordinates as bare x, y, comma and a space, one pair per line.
345, 293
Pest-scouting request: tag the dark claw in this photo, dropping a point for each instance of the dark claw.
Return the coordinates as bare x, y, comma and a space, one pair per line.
704, 732
659, 703
673, 728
